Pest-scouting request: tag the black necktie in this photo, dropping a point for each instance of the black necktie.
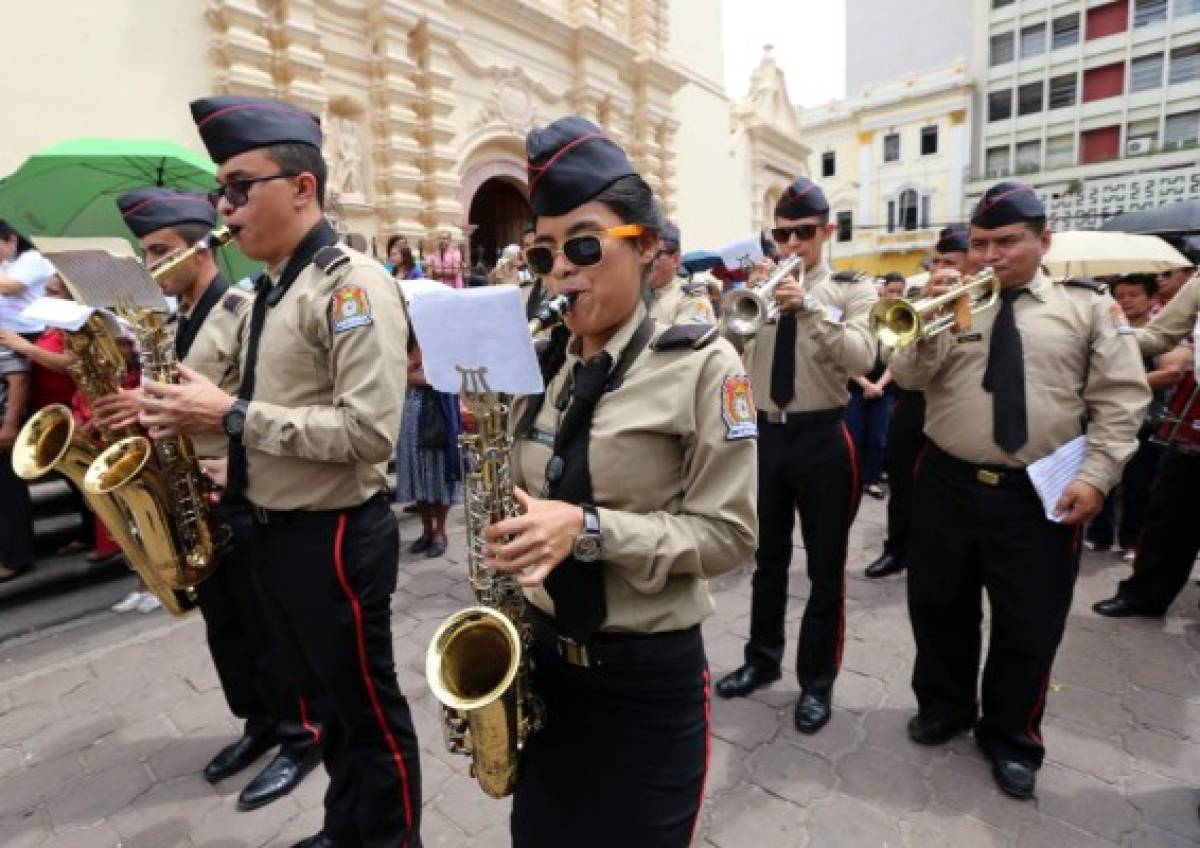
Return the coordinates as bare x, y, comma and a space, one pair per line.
783, 362
1005, 377
578, 587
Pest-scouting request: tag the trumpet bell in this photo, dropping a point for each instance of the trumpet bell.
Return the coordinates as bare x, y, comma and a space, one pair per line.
895, 322
745, 311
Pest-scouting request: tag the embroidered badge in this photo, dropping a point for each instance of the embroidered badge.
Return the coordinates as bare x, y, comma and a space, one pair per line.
348, 308
737, 408
968, 337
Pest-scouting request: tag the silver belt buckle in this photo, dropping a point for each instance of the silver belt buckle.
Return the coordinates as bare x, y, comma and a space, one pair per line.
575, 653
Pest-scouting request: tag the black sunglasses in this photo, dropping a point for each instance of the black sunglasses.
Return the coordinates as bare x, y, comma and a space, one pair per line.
804, 232
237, 192
581, 251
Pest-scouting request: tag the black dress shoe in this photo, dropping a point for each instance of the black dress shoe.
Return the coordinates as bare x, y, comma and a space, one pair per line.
885, 565
1121, 607
1013, 778
743, 681
420, 546
318, 841
932, 731
281, 776
812, 712
234, 757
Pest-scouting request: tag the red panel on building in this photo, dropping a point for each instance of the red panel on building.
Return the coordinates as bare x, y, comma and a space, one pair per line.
1100, 145
1107, 81
1107, 19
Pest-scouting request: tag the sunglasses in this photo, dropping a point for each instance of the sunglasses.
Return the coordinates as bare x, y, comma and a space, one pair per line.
804, 232
581, 251
237, 192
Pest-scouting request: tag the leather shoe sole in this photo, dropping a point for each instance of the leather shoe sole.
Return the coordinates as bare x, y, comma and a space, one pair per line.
812, 713
741, 682
933, 732
281, 776
1118, 607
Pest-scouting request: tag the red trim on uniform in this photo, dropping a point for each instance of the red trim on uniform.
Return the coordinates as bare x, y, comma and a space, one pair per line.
707, 750
1077, 540
855, 501
542, 169
356, 608
143, 203
305, 723
263, 107
1037, 709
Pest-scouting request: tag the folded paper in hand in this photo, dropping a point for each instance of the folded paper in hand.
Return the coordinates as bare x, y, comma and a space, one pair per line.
1052, 474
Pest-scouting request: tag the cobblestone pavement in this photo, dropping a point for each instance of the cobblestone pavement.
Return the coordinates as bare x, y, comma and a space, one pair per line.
104, 728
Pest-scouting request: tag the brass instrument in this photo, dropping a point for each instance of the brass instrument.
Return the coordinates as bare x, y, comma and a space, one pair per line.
744, 311
897, 323
551, 312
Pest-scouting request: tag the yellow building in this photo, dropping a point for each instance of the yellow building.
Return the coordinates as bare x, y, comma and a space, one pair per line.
892, 159
424, 103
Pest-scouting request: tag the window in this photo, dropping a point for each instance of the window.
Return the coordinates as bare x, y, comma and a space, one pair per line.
1107, 19
907, 208
1060, 151
1141, 137
1029, 98
1146, 12
891, 147
891, 216
1033, 40
926, 203
1145, 72
999, 105
1063, 91
1185, 64
828, 164
1186, 7
1002, 48
1066, 31
1029, 157
1100, 145
997, 162
1181, 130
845, 226
1104, 82
929, 139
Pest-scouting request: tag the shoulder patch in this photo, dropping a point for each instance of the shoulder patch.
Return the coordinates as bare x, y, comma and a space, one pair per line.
737, 408
330, 258
681, 336
849, 277
1087, 283
234, 303
349, 308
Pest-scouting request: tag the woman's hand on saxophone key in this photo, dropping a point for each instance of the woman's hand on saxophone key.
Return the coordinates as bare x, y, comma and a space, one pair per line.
194, 405
532, 544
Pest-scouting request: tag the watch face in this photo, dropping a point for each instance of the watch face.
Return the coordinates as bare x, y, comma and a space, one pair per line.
587, 548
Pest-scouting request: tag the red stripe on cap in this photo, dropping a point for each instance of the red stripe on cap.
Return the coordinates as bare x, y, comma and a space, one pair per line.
792, 193
985, 205
266, 107
144, 203
541, 169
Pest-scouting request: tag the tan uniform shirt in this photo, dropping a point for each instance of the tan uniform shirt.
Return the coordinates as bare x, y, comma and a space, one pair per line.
329, 386
1173, 324
671, 304
673, 464
1077, 364
833, 343
216, 353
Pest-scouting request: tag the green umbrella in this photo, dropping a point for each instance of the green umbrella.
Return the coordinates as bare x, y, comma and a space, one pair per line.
71, 188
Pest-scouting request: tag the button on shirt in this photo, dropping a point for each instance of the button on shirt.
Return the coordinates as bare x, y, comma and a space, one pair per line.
325, 414
1077, 366
833, 344
33, 270
675, 495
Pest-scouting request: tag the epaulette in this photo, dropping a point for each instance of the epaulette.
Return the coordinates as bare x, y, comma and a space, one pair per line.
330, 258
850, 277
234, 303
1087, 283
679, 336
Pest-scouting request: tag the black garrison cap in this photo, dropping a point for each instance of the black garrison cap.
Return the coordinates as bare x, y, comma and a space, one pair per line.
953, 239
145, 210
570, 162
1007, 203
670, 233
802, 199
230, 125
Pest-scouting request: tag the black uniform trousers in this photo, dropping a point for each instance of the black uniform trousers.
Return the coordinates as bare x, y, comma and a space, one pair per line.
327, 579
906, 437
969, 537
1170, 539
623, 754
16, 517
1137, 480
252, 672
807, 464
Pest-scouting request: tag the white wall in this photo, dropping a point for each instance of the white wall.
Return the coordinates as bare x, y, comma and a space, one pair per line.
886, 39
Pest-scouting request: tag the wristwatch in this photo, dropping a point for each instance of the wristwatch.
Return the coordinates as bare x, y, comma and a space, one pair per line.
233, 422
589, 544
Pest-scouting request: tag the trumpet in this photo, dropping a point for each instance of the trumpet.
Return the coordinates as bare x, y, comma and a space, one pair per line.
897, 323
744, 311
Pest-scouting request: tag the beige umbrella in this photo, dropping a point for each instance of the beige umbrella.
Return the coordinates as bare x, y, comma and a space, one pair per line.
1092, 253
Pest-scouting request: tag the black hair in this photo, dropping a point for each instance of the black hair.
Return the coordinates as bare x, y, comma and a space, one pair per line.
632, 200
191, 231
7, 231
391, 242
407, 261
1037, 226
1148, 282
295, 157
893, 277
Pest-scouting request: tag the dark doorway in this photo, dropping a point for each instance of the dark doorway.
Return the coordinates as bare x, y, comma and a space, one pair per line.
500, 214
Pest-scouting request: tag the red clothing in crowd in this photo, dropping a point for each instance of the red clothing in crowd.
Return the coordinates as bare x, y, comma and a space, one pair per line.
46, 386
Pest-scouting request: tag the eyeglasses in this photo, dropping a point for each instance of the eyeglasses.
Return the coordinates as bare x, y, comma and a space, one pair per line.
237, 192
581, 251
804, 232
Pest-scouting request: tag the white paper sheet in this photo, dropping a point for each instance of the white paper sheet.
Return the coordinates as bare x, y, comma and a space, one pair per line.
68, 315
1051, 474
742, 253
476, 328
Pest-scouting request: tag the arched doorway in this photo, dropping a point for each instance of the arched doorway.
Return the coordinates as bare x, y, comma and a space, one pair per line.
499, 214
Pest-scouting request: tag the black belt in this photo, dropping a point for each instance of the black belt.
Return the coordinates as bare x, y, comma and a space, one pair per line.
987, 475
261, 515
799, 419
605, 649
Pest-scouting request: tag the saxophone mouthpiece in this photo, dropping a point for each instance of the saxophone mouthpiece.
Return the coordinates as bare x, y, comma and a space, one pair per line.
552, 312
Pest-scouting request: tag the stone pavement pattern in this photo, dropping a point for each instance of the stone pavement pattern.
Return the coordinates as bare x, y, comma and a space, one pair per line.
104, 728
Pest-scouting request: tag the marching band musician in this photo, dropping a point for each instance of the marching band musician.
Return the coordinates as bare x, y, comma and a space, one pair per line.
799, 366
1032, 368
670, 301
311, 430
636, 475
208, 336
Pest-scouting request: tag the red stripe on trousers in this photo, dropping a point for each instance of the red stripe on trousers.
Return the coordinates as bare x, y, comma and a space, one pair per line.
855, 496
707, 751
366, 675
1037, 708
305, 723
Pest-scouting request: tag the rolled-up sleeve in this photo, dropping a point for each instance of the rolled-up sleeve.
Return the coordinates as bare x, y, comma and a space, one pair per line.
848, 341
915, 365
1171, 325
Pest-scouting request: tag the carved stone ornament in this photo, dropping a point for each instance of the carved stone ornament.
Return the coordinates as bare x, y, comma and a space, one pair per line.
511, 103
346, 159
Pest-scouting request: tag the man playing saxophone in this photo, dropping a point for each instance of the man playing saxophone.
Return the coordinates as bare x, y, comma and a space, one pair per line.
207, 337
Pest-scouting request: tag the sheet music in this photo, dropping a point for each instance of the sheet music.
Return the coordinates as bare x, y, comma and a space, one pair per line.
742, 254
482, 327
1051, 474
